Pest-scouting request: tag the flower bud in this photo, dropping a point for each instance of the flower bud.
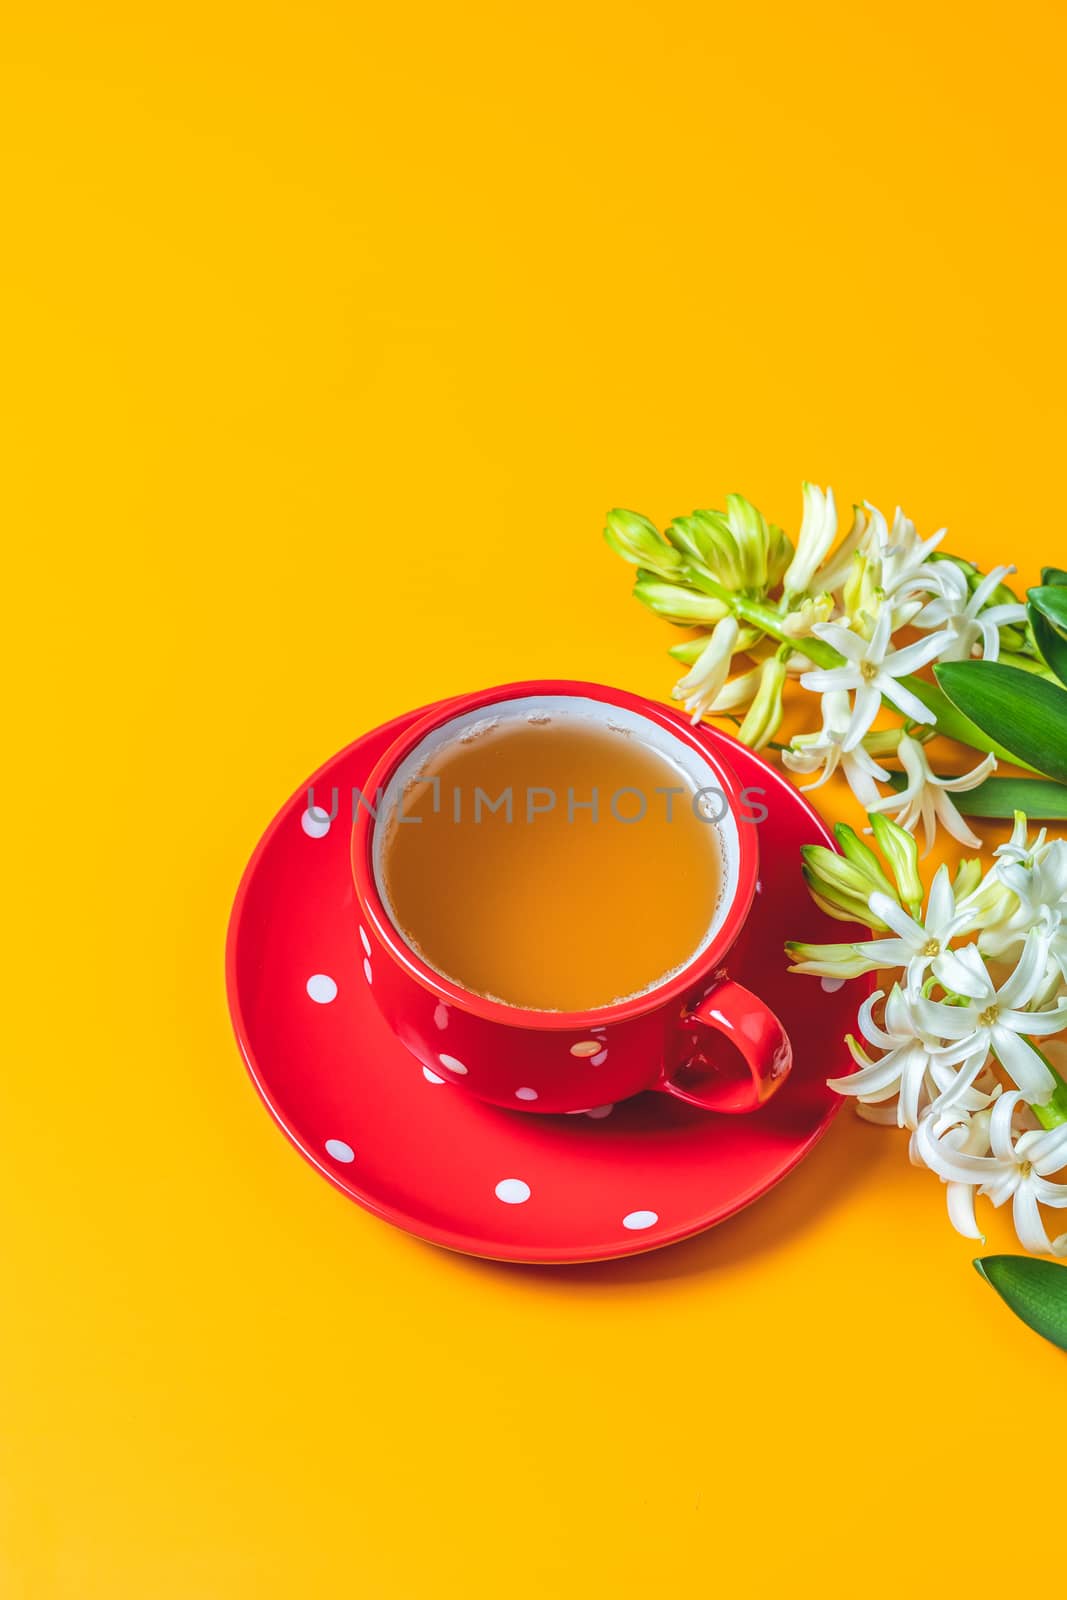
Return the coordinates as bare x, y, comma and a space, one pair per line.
861, 595
968, 877
677, 604
706, 538
764, 716
861, 855
752, 537
829, 960
780, 553
635, 539
799, 624
689, 650
840, 887
817, 533
901, 850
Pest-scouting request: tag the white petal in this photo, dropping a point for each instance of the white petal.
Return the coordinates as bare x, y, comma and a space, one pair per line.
892, 913
903, 699
1037, 1023
914, 656
888, 952
967, 780
822, 680
1000, 1125
869, 1028
865, 709
1024, 980
956, 975
1022, 1064
1028, 1223
961, 1210
941, 902
951, 820
845, 641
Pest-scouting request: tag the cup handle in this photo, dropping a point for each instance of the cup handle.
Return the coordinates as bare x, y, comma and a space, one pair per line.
760, 1040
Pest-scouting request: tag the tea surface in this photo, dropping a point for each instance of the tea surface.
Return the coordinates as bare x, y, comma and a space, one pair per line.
548, 901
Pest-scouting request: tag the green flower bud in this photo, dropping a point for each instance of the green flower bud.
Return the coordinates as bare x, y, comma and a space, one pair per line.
861, 595
636, 540
901, 850
752, 537
861, 855
764, 716
706, 537
677, 604
829, 960
844, 910
968, 877
691, 649
840, 886
780, 554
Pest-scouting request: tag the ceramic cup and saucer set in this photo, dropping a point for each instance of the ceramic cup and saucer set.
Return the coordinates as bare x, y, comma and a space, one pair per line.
421, 1063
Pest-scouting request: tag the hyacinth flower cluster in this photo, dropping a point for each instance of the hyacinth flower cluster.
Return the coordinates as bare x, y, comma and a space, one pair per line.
829, 614
958, 1042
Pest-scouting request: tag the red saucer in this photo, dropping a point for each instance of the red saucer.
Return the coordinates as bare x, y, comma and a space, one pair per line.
513, 1186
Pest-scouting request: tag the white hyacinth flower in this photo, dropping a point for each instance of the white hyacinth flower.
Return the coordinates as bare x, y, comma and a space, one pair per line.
1020, 849
1002, 1155
923, 946
905, 558
707, 676
817, 531
970, 625
988, 1019
908, 1073
1040, 881
872, 669
824, 753
925, 797
1005, 920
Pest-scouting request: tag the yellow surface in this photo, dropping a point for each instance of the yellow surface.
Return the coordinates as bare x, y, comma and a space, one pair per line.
332, 331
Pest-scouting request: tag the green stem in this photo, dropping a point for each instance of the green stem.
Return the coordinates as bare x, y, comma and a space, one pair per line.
764, 617
1054, 1115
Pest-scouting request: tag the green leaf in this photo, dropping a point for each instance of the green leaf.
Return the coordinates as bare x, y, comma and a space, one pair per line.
1051, 601
1040, 798
1054, 576
1005, 704
1035, 1290
954, 725
1052, 646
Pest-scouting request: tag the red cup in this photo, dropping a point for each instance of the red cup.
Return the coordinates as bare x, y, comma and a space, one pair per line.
698, 1036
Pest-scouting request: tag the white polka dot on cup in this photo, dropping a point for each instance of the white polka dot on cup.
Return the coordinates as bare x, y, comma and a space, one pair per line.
431, 1077
364, 941
321, 988
526, 1094
512, 1191
831, 985
636, 1220
587, 1047
452, 1065
315, 822
440, 1016
340, 1151
598, 1113
368, 971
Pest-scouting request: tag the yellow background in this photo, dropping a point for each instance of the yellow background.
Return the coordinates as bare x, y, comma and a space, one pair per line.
331, 333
